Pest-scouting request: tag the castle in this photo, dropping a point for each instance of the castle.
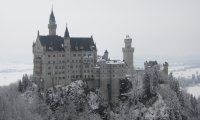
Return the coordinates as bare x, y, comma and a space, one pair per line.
60, 60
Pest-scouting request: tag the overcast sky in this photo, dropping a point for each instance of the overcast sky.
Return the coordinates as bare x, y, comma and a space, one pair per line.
159, 28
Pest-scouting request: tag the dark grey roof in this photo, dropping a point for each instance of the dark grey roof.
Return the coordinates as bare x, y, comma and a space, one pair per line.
86, 44
52, 43
56, 43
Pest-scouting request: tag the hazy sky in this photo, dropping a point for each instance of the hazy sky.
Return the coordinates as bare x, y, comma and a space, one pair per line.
159, 28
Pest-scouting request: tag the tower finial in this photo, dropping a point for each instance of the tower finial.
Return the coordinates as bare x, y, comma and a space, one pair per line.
52, 24
127, 36
38, 33
66, 32
52, 17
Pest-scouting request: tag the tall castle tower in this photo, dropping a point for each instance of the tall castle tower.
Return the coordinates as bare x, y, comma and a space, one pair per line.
67, 48
52, 24
128, 54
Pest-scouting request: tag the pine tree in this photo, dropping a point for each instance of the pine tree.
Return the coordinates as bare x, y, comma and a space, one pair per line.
147, 86
20, 86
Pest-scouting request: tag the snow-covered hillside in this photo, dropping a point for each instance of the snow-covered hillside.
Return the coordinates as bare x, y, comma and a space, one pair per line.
194, 90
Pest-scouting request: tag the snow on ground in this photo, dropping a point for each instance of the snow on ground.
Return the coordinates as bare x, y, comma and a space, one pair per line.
158, 110
194, 90
187, 72
93, 101
184, 71
12, 72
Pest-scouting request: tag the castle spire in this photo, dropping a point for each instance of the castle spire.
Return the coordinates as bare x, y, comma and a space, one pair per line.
52, 24
66, 32
52, 17
38, 33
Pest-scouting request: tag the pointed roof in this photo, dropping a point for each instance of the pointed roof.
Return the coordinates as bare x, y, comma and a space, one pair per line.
106, 51
52, 17
66, 32
38, 33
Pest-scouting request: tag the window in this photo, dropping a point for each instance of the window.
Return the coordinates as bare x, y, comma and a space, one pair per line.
49, 55
63, 55
74, 55
63, 67
49, 73
49, 67
49, 62
53, 55
63, 77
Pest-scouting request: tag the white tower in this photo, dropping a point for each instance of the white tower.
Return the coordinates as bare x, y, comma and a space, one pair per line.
52, 24
128, 54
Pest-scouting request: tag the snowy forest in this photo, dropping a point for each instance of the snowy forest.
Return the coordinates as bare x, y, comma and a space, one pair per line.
162, 99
